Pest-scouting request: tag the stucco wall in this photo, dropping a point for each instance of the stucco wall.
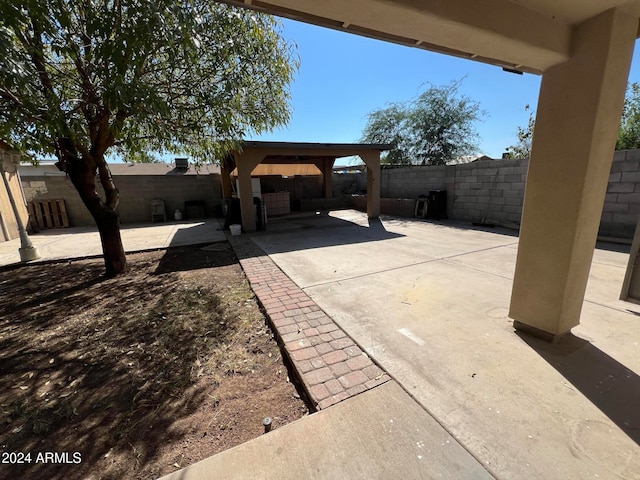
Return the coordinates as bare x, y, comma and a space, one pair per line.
8, 224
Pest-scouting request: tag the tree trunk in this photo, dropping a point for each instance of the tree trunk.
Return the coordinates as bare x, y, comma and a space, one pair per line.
108, 223
82, 173
115, 260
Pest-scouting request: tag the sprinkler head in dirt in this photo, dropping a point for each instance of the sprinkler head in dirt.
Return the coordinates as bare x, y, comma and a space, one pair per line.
266, 423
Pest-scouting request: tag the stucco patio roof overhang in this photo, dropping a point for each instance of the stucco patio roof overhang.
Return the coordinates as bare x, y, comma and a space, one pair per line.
322, 155
525, 35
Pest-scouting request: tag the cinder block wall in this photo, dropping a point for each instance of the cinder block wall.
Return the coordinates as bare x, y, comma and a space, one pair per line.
348, 183
493, 190
413, 181
54, 186
622, 203
136, 194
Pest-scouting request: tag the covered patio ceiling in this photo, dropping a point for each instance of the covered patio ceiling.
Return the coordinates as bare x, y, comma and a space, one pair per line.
284, 170
523, 35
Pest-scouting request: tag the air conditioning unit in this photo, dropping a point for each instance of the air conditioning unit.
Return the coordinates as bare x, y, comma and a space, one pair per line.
182, 164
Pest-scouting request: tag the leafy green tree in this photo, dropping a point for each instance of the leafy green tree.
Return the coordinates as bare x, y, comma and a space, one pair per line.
85, 78
522, 149
388, 126
435, 127
629, 132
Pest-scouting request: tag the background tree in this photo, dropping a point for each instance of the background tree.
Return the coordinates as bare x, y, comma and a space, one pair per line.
629, 132
83, 78
522, 149
435, 127
388, 126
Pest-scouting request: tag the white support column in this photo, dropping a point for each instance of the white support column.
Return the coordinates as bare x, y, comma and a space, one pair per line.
577, 121
372, 159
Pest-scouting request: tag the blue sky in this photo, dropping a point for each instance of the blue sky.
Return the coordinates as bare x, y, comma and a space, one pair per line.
343, 77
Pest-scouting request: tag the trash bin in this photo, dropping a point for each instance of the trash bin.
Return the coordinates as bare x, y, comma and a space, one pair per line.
261, 214
437, 204
233, 213
224, 205
194, 209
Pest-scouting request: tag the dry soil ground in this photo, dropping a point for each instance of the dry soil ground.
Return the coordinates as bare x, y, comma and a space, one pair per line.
136, 376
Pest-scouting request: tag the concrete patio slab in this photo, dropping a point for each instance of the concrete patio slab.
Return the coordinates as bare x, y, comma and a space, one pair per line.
81, 242
380, 434
429, 303
350, 240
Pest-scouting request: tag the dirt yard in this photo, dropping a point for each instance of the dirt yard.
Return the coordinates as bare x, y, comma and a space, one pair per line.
137, 376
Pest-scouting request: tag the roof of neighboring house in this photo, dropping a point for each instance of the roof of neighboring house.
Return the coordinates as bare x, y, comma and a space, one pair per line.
47, 167
161, 169
484, 158
468, 159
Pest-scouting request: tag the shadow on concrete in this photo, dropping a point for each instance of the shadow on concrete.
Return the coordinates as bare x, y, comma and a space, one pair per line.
320, 230
206, 231
497, 229
607, 383
613, 247
453, 224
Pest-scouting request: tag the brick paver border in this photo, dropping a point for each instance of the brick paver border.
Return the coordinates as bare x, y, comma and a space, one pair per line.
329, 364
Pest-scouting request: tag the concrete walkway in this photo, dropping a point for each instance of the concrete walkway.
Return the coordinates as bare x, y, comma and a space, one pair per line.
380, 434
81, 242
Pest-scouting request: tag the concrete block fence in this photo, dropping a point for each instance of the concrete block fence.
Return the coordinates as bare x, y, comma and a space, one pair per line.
622, 203
493, 191
136, 194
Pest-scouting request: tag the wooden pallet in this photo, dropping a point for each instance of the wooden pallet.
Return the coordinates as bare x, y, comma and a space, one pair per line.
48, 213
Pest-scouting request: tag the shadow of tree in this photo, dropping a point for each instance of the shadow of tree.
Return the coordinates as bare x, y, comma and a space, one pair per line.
209, 256
100, 366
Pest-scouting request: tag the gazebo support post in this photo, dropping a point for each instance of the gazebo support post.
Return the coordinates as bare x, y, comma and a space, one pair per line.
371, 159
